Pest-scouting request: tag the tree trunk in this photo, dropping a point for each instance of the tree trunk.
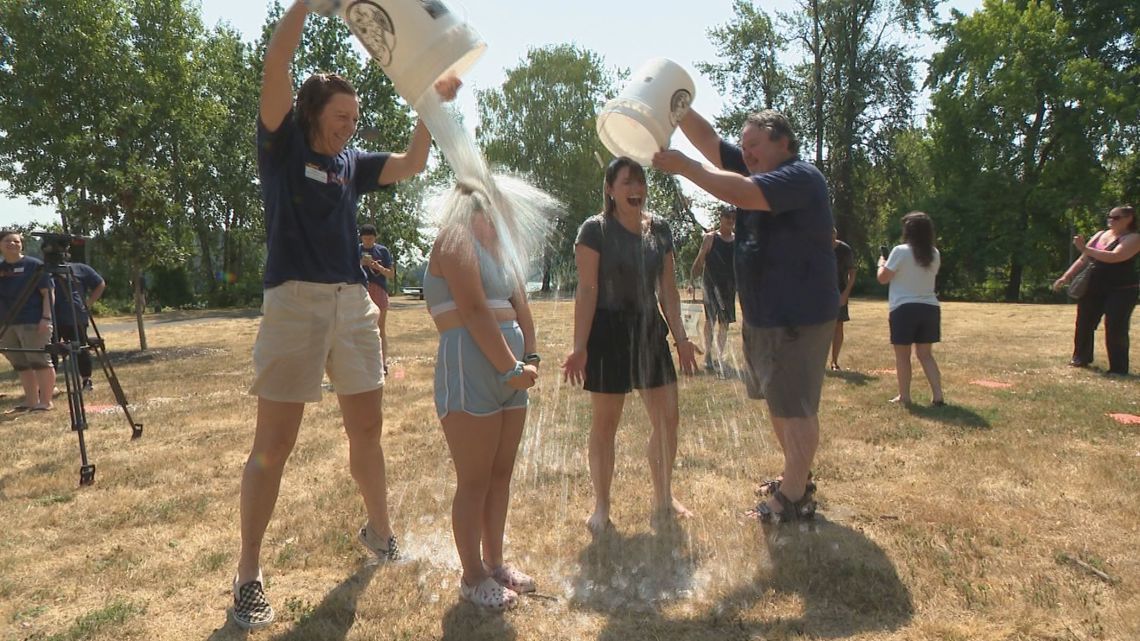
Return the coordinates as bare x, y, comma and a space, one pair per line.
205, 246
140, 304
546, 269
1017, 263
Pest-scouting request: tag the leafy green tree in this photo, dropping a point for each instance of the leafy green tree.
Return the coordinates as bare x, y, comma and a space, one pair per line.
541, 123
1022, 121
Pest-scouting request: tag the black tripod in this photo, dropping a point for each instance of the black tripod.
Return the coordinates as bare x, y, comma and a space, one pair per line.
67, 352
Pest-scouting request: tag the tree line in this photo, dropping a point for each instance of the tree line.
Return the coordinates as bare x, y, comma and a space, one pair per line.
135, 121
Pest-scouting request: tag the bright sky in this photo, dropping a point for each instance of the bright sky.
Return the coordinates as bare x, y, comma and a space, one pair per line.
625, 33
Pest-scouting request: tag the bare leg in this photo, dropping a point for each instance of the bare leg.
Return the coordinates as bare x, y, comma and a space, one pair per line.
603, 430
473, 441
802, 441
661, 405
29, 382
364, 423
902, 373
273, 441
499, 494
925, 354
382, 323
707, 330
722, 339
836, 345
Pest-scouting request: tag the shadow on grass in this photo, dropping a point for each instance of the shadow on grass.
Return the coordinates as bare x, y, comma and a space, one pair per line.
636, 573
466, 622
846, 584
951, 415
850, 376
331, 620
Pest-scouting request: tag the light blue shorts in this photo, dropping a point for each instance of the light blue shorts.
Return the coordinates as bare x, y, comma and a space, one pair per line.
465, 381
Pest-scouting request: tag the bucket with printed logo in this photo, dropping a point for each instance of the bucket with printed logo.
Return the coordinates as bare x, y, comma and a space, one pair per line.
640, 121
416, 42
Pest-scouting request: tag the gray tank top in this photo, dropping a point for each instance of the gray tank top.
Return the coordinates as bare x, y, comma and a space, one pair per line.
496, 285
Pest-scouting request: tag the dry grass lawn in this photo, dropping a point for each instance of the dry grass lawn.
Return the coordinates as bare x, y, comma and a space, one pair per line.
988, 519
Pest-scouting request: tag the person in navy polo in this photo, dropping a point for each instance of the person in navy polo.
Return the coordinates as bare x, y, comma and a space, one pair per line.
317, 314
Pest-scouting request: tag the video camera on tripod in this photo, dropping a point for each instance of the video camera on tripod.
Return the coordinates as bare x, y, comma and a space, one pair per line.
56, 248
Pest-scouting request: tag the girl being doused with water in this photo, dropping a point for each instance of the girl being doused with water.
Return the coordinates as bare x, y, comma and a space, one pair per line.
474, 286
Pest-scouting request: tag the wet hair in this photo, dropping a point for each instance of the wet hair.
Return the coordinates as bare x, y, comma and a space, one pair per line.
368, 230
612, 171
4, 233
314, 95
778, 127
918, 232
1127, 210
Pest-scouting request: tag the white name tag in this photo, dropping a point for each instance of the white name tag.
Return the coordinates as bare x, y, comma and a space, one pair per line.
317, 174
18, 270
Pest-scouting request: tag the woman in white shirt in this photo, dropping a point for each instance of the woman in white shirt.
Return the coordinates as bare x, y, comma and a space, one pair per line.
915, 316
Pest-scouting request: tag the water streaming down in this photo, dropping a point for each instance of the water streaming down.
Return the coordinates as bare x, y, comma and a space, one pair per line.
634, 572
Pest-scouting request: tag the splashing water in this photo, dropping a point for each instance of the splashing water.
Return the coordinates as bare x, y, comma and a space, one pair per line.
520, 213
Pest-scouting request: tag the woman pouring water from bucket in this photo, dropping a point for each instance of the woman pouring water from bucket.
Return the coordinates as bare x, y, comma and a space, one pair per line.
317, 314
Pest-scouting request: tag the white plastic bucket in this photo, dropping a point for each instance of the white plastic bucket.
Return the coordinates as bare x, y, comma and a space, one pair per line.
640, 121
416, 42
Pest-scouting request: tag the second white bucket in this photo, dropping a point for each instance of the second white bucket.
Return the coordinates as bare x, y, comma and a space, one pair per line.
640, 121
416, 42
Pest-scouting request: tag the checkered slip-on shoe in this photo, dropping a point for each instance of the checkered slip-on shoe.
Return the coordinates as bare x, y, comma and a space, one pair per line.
390, 553
251, 609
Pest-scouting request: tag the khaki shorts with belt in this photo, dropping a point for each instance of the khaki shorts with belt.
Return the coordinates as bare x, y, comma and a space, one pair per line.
308, 329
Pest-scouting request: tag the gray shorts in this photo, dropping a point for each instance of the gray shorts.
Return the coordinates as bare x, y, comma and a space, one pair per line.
785, 366
27, 336
465, 381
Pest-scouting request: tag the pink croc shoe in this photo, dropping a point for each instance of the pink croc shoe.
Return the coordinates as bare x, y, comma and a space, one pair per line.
512, 579
489, 594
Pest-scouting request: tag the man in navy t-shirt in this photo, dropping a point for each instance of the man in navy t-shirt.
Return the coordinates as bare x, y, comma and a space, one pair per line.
71, 315
785, 276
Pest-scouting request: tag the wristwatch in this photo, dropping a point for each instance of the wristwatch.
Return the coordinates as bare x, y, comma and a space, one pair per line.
532, 359
511, 373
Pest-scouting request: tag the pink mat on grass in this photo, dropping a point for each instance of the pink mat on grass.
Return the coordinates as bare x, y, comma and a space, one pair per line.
1125, 419
991, 384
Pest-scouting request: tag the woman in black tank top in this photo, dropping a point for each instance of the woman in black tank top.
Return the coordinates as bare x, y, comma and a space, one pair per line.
1112, 290
715, 259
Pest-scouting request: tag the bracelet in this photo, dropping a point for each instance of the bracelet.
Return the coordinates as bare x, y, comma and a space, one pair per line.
677, 343
511, 373
532, 358
47, 318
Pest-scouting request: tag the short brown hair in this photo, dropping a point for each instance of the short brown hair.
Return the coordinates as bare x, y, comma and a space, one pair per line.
1127, 210
778, 124
313, 97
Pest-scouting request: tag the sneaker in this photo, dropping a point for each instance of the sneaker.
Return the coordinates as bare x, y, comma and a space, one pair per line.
390, 553
88, 385
251, 609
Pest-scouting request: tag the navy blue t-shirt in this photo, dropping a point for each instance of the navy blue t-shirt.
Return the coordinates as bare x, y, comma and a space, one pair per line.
381, 255
86, 279
13, 278
785, 263
310, 206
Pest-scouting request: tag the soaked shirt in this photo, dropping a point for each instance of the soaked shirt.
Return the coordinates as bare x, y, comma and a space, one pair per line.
630, 264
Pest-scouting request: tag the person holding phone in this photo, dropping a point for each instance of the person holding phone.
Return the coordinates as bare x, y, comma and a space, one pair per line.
915, 314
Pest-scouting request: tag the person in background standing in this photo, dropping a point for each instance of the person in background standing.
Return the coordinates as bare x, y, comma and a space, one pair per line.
378, 267
845, 264
71, 315
714, 262
1112, 289
915, 314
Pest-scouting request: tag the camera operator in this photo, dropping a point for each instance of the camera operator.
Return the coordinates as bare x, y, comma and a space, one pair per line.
72, 315
30, 326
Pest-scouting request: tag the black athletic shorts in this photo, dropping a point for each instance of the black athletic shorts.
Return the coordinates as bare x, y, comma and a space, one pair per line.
916, 323
627, 351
